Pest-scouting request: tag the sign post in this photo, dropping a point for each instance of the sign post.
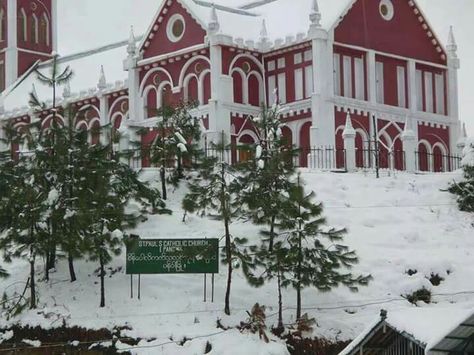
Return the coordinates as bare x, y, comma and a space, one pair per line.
172, 256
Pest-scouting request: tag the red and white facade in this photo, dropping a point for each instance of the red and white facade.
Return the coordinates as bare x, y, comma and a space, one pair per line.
365, 59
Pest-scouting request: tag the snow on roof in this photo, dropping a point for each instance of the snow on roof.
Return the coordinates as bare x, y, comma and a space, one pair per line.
283, 18
427, 325
86, 67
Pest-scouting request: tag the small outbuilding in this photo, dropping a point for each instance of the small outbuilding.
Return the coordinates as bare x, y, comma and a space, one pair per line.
417, 331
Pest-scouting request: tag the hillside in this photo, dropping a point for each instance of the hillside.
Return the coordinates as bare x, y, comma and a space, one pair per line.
398, 223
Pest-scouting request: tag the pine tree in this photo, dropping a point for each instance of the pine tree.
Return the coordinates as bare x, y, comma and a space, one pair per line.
313, 253
103, 206
464, 190
267, 175
24, 204
214, 192
53, 79
178, 134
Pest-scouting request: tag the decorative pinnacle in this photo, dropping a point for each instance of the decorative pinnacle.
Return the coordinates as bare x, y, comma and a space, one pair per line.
102, 81
213, 25
349, 129
263, 31
452, 46
315, 15
132, 43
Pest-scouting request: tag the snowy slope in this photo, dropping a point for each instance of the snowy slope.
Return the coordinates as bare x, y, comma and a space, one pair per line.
397, 223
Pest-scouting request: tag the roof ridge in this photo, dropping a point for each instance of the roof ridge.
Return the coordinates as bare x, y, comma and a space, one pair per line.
89, 52
255, 3
234, 10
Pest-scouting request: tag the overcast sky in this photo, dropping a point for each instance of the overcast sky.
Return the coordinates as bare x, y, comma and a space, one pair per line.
88, 23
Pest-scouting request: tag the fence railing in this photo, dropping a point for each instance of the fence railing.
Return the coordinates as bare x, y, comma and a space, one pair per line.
325, 158
392, 160
436, 163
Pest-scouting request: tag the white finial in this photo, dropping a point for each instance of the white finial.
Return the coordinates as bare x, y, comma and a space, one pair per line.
213, 25
132, 43
315, 15
102, 81
349, 129
67, 90
452, 47
263, 31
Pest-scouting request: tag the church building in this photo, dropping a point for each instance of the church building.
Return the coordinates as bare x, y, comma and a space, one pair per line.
350, 72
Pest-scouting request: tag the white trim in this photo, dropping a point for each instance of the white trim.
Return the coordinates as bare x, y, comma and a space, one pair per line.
115, 103
260, 86
187, 79
24, 22
47, 24
152, 71
244, 55
245, 91
169, 28
23, 50
186, 67
391, 55
35, 24
181, 52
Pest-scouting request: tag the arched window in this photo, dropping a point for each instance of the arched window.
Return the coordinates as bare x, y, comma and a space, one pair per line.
44, 30
34, 29
22, 26
2, 24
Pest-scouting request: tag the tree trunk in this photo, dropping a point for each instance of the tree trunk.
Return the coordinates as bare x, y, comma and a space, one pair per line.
46, 269
102, 277
72, 272
180, 166
272, 234
163, 182
229, 267
32, 280
280, 304
228, 242
298, 277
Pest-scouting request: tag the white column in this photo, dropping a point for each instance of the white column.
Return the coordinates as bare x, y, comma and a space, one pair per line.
371, 77
453, 100
322, 108
11, 52
54, 24
104, 120
409, 147
412, 94
221, 93
349, 135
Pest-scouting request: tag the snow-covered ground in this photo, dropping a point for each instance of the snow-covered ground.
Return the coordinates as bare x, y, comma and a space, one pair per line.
396, 223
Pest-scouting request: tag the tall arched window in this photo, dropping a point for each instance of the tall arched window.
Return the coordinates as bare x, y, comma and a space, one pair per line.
22, 26
2, 24
44, 30
34, 29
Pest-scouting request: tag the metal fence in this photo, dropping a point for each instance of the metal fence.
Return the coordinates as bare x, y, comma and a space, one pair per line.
436, 163
385, 159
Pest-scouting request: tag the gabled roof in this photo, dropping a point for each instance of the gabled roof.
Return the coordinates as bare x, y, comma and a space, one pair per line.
86, 67
243, 20
430, 327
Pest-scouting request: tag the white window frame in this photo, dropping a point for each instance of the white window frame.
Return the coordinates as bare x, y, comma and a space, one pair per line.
309, 86
359, 78
24, 23
281, 63
419, 89
298, 58
440, 94
282, 88
35, 24
379, 82
271, 65
429, 104
337, 74
347, 69
401, 87
271, 89
308, 56
299, 88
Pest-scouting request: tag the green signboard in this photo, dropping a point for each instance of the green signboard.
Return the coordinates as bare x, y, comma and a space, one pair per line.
173, 256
